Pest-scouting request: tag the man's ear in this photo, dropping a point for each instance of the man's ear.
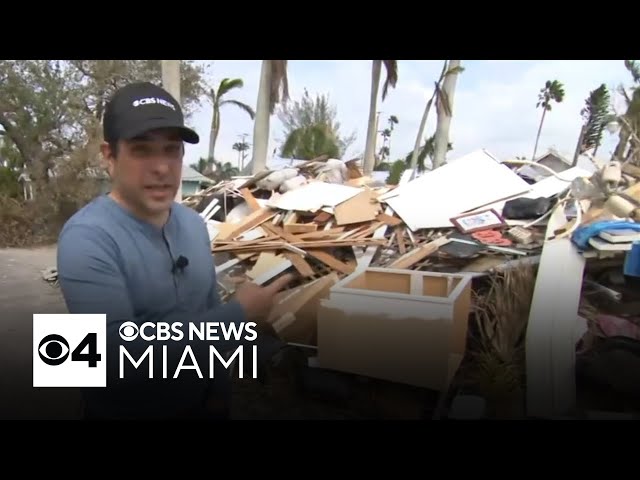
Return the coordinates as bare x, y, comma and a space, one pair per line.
108, 156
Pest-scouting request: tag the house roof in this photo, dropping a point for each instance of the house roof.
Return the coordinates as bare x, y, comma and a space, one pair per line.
584, 163
191, 175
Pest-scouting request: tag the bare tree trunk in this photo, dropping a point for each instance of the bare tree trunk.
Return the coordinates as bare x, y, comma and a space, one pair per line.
171, 83
213, 135
441, 141
624, 136
375, 141
369, 153
425, 115
535, 148
261, 124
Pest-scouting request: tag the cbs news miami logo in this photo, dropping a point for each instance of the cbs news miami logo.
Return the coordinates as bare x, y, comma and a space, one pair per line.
69, 350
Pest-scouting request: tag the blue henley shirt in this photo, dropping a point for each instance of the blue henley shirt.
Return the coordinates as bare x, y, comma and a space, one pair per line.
113, 263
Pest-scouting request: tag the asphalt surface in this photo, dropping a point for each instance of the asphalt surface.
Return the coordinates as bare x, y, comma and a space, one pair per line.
23, 292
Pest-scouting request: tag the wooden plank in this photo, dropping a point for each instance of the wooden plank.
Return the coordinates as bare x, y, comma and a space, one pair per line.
366, 231
250, 199
277, 245
300, 264
300, 227
414, 256
389, 220
296, 299
331, 261
324, 257
365, 259
256, 218
400, 236
332, 232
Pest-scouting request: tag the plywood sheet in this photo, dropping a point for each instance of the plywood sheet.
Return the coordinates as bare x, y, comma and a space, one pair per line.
470, 182
360, 208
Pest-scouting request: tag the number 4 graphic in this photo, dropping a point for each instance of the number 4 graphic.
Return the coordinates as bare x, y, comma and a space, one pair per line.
90, 343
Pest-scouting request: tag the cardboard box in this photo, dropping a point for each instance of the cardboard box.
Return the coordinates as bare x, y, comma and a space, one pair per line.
399, 325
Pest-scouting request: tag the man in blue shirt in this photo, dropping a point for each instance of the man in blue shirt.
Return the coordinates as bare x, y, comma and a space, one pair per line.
138, 256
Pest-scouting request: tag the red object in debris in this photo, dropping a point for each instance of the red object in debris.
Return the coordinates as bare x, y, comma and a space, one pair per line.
491, 237
612, 326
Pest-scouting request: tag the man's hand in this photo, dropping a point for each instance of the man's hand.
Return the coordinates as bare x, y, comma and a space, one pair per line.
256, 300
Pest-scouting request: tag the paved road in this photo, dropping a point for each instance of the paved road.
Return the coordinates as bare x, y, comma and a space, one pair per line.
23, 292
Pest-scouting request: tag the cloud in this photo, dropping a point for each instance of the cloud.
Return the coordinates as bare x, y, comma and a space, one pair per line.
494, 105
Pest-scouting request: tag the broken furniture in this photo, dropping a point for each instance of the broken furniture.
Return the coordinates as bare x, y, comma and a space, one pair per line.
397, 325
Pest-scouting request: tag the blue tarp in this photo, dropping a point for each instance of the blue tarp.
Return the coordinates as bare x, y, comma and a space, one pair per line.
582, 234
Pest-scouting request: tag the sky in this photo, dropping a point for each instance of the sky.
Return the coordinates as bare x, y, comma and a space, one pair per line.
494, 105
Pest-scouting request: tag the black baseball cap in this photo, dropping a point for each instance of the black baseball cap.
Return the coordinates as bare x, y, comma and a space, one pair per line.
141, 107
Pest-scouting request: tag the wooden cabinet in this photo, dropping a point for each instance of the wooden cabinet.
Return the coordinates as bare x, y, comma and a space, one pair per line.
398, 325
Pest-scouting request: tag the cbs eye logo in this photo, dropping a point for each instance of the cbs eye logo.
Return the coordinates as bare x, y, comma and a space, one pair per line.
129, 331
54, 350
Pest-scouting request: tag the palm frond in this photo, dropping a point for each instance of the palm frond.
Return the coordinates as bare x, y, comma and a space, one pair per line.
633, 68
240, 105
279, 91
391, 67
228, 84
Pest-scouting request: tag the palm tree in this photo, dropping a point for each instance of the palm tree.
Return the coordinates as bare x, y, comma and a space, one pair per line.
217, 98
595, 115
426, 151
391, 67
444, 109
224, 171
241, 148
310, 142
632, 115
446, 71
552, 91
201, 166
274, 88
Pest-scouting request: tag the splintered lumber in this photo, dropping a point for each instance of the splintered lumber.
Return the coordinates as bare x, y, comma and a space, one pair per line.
295, 300
250, 199
251, 221
400, 239
291, 224
389, 220
277, 245
324, 257
414, 256
300, 264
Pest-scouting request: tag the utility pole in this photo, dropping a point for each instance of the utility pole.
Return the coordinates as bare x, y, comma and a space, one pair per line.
171, 83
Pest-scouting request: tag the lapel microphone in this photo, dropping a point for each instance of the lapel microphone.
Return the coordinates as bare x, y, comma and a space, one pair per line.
180, 264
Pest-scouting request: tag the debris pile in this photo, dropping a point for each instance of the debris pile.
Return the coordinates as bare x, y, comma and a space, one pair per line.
319, 227
473, 216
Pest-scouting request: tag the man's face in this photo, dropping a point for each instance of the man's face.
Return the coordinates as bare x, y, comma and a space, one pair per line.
146, 170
